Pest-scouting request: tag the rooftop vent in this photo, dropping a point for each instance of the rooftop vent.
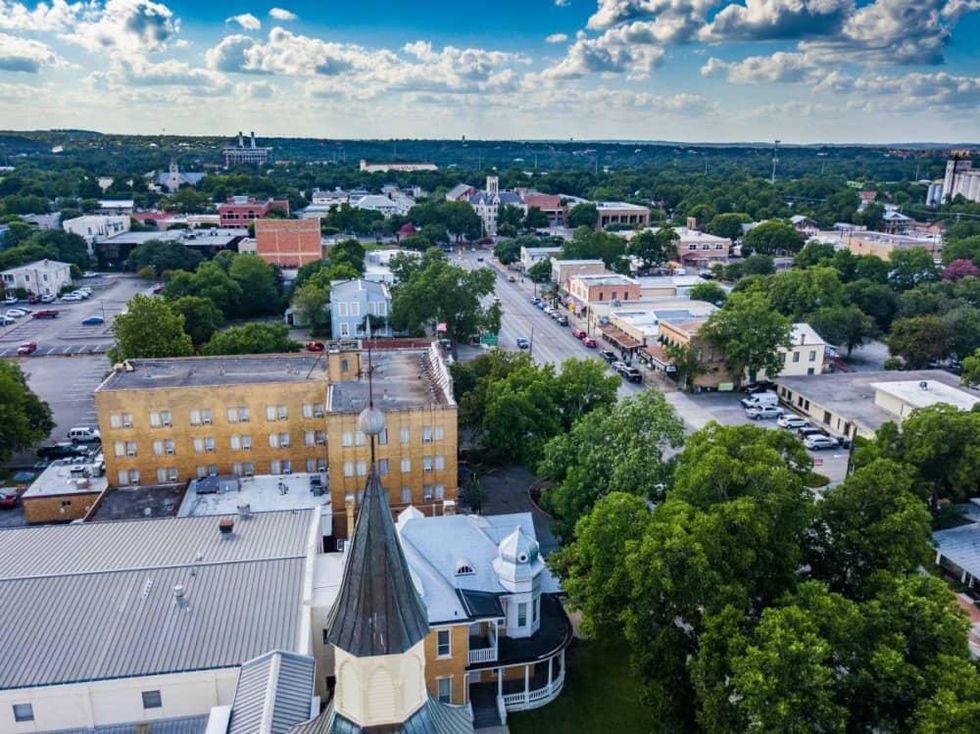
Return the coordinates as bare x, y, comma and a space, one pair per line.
178, 592
226, 525
924, 385
244, 510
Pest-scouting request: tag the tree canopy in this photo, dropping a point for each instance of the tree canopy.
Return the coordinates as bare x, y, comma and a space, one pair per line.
25, 419
750, 333
150, 327
257, 337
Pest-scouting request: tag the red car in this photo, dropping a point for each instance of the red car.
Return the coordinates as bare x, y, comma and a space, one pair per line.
314, 346
579, 333
27, 348
8, 497
46, 313
589, 342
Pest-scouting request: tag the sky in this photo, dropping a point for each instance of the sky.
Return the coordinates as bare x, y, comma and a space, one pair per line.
802, 71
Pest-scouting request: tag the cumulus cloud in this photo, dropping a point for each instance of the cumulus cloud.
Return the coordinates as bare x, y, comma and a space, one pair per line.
676, 20
246, 21
772, 19
282, 14
44, 17
128, 26
556, 38
604, 55
25, 55
779, 67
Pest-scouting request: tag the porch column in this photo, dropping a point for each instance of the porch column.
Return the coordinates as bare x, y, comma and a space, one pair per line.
527, 682
549, 673
500, 682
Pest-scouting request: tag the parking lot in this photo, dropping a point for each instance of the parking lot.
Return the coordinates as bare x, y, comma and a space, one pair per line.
66, 335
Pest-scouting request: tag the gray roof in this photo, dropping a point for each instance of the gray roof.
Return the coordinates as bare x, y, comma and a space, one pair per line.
378, 611
961, 546
179, 725
226, 370
117, 582
403, 379
274, 693
433, 718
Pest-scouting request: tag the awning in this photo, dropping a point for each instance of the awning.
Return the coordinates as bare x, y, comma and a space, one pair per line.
658, 357
619, 336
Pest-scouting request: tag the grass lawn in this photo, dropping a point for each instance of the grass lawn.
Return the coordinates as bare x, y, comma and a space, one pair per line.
601, 695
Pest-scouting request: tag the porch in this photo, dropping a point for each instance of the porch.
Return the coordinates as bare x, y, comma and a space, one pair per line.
517, 687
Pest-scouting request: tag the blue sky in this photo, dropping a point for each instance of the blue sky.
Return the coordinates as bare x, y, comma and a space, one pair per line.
698, 70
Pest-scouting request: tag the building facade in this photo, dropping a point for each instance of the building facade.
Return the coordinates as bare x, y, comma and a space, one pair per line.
487, 204
589, 289
240, 211
354, 302
289, 243
961, 179
91, 226
41, 278
621, 213
245, 155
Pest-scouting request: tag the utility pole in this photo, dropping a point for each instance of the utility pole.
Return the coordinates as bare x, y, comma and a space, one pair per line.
775, 159
530, 345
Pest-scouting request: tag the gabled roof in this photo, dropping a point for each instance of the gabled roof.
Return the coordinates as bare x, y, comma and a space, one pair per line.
378, 611
433, 718
274, 694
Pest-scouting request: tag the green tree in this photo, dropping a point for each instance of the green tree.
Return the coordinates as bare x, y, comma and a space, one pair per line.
911, 266
535, 219
473, 382
843, 326
540, 272
257, 281
25, 419
201, 317
256, 337
728, 225
583, 215
872, 216
350, 252
771, 238
940, 442
918, 340
149, 328
875, 299
507, 250
710, 292
311, 301
796, 293
750, 333
967, 248
510, 215
163, 256
587, 244
971, 369
815, 253
654, 248
208, 281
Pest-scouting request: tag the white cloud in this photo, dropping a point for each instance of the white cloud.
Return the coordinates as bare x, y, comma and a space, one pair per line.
255, 90
25, 55
282, 14
556, 38
562, 3
246, 21
769, 19
678, 20
779, 67
44, 17
126, 26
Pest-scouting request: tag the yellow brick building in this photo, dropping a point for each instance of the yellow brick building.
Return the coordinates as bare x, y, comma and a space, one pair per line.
166, 421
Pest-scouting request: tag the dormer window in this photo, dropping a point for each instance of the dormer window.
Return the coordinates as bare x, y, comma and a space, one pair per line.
464, 568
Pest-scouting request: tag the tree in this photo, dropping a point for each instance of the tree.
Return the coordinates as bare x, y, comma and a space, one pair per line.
872, 216
162, 257
796, 293
208, 281
511, 215
620, 449
843, 326
911, 266
654, 248
958, 269
710, 292
918, 340
583, 215
474, 380
940, 442
311, 301
971, 370
967, 248
875, 299
587, 244
350, 252
507, 250
256, 337
437, 292
149, 328
728, 225
750, 333
540, 272
201, 317
535, 219
25, 419
257, 281
772, 238
815, 253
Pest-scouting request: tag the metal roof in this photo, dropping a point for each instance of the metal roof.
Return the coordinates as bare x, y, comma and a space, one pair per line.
133, 623
378, 611
433, 718
274, 693
962, 546
141, 544
180, 725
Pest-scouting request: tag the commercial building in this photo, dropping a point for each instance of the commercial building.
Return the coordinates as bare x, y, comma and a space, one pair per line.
636, 324
290, 243
245, 155
388, 206
549, 204
240, 211
531, 256
92, 226
354, 302
66, 490
682, 332
403, 167
882, 244
116, 207
40, 278
619, 212
585, 290
562, 271
961, 179
460, 192
858, 403
171, 420
113, 251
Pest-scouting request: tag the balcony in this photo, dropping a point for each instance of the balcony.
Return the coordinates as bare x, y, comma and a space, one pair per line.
483, 648
532, 698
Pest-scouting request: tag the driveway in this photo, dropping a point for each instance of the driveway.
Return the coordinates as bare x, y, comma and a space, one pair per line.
507, 492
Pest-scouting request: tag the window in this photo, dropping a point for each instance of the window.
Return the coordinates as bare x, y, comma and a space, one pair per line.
439, 433
115, 420
445, 692
440, 491
236, 468
206, 417
283, 412
320, 438
426, 463
427, 434
307, 410
284, 440
161, 475
359, 439
347, 439
344, 328
321, 464
119, 448
522, 614
274, 440
796, 356
813, 355
308, 438
444, 647
23, 712
274, 466
348, 468
198, 445
286, 466
159, 418
406, 465
310, 466
426, 492
406, 495
246, 443
130, 448
123, 477
355, 308
342, 309
152, 700
243, 414
270, 412
134, 476
362, 468
209, 444
405, 434
383, 467
195, 417
233, 415
236, 442
383, 437
440, 463
248, 468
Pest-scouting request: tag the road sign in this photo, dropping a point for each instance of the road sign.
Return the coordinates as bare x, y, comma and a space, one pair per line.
489, 339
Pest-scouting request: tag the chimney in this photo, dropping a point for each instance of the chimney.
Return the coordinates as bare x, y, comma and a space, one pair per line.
253, 138
226, 525
241, 140
349, 507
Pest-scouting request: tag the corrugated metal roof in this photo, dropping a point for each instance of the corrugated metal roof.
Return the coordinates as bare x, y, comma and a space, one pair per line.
140, 544
433, 718
962, 546
181, 725
274, 694
62, 629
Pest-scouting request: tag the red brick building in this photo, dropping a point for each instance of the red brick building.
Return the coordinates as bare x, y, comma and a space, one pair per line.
288, 242
240, 211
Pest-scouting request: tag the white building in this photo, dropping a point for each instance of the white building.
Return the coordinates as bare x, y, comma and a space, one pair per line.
407, 167
961, 179
531, 256
174, 178
91, 226
41, 278
116, 207
334, 197
806, 355
487, 204
387, 205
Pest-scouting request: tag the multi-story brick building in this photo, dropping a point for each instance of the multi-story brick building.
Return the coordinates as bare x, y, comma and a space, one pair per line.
170, 420
240, 211
290, 243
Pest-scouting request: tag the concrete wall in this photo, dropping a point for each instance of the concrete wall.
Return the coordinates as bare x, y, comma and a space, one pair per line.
101, 703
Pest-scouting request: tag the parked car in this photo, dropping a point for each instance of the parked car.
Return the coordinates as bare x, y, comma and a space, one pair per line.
69, 297
760, 386
523, 343
8, 497
27, 348
511, 278
479, 259
810, 430
617, 365
15, 313
5, 320
541, 305
34, 298
610, 357
45, 313
10, 300
49, 298
579, 333
763, 412
535, 300
90, 274
61, 451
590, 342
630, 374
788, 420
759, 399
818, 442
562, 320
84, 434
93, 321
313, 346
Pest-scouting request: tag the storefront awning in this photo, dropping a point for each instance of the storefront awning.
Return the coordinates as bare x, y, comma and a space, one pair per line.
658, 357
619, 336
